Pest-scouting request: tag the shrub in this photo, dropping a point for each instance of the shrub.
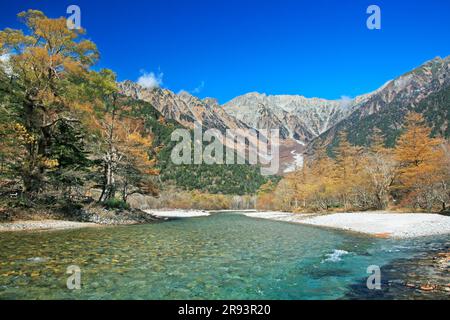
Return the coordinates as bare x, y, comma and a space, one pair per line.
115, 203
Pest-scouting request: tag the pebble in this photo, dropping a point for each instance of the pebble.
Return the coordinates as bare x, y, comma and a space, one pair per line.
427, 287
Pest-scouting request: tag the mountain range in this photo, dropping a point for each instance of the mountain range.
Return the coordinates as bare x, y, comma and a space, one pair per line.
306, 122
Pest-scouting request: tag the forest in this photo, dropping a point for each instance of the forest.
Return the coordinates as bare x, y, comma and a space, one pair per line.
63, 125
69, 137
412, 175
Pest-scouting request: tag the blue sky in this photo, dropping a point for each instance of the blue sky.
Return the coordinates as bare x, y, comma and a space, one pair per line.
227, 48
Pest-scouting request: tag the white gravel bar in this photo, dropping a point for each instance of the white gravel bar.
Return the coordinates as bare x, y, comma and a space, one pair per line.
380, 224
177, 213
43, 225
279, 216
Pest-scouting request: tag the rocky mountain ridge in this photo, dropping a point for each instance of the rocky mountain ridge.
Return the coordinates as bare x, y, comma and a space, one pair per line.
425, 90
184, 108
305, 122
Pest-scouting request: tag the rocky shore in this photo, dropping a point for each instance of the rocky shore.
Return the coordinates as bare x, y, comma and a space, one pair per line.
93, 216
96, 216
104, 216
420, 278
43, 225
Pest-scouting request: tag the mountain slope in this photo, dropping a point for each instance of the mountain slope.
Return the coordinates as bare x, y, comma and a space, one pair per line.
217, 179
187, 110
298, 118
183, 107
425, 90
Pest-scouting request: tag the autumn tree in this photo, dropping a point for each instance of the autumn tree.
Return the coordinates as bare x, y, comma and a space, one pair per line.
379, 166
43, 65
320, 189
284, 196
348, 165
419, 159
265, 197
124, 146
136, 165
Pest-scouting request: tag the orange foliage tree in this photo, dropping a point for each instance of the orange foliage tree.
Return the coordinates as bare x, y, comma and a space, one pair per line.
419, 158
43, 66
124, 145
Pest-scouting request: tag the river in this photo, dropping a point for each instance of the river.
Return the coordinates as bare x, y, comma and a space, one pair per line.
223, 256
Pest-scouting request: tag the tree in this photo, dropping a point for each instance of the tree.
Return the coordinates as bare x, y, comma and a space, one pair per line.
135, 166
43, 66
348, 165
419, 159
379, 167
265, 196
124, 145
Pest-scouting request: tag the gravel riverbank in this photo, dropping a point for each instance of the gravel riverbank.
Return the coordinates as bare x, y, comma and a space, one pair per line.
43, 225
95, 217
380, 224
169, 213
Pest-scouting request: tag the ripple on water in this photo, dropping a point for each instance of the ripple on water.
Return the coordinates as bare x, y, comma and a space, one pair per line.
336, 256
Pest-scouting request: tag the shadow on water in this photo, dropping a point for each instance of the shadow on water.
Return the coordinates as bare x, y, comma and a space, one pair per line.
406, 278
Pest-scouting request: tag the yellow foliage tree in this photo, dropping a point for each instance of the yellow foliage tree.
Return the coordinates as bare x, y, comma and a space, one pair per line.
348, 167
43, 66
419, 159
379, 168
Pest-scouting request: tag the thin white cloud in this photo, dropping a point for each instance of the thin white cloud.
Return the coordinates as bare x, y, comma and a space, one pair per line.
151, 80
182, 91
345, 101
195, 91
199, 88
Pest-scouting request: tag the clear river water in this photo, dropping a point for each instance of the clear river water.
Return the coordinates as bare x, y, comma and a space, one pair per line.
224, 256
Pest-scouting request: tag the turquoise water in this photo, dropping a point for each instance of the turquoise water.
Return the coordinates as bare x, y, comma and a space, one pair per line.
224, 256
